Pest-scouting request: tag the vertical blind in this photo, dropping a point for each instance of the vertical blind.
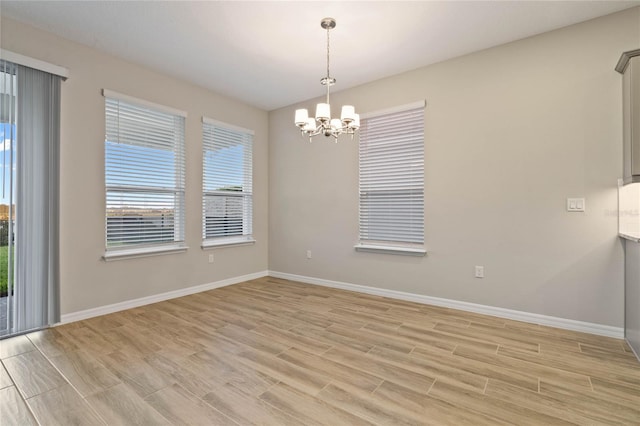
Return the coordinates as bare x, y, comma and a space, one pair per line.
144, 174
392, 177
227, 181
29, 214
37, 199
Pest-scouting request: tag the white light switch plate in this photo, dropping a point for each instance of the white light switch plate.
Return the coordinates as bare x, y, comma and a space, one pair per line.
575, 204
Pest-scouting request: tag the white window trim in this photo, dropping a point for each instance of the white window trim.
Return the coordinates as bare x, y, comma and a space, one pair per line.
207, 120
407, 251
392, 110
37, 64
112, 253
227, 242
386, 248
142, 102
236, 240
143, 252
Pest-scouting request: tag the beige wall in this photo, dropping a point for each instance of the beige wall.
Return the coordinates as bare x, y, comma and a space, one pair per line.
511, 132
86, 280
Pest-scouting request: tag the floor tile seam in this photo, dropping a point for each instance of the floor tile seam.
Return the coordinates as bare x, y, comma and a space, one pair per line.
13, 382
24, 401
64, 377
194, 396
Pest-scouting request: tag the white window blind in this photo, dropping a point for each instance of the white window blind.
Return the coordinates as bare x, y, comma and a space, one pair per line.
144, 174
227, 182
392, 178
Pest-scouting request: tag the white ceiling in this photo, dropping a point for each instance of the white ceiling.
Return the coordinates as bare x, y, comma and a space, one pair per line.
272, 54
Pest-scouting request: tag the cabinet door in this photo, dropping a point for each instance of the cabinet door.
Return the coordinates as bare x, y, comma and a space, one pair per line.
632, 295
634, 113
626, 118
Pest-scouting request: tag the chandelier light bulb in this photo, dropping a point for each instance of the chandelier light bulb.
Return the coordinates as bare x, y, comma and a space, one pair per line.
323, 124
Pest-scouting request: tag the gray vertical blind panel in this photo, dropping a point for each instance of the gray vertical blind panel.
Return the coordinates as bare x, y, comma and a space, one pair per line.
37, 190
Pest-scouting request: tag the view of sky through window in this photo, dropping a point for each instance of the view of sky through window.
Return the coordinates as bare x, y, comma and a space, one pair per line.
229, 164
7, 162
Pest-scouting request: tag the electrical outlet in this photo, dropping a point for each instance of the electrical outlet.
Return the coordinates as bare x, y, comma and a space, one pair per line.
210, 258
479, 271
308, 254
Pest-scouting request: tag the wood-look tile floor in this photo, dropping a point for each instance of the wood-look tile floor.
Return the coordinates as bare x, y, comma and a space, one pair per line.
276, 352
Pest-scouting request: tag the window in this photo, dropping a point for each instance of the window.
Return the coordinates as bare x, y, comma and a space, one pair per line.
8, 135
227, 184
392, 181
144, 176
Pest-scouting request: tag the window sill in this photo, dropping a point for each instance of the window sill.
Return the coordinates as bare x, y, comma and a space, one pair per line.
143, 252
404, 251
213, 244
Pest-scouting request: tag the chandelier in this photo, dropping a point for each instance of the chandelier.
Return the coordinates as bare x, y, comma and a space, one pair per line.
323, 124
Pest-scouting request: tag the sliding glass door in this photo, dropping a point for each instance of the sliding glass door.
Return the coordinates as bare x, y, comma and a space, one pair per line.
7, 192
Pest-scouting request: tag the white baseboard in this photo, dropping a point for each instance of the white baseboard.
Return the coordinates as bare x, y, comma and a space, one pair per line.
128, 304
636, 353
567, 324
